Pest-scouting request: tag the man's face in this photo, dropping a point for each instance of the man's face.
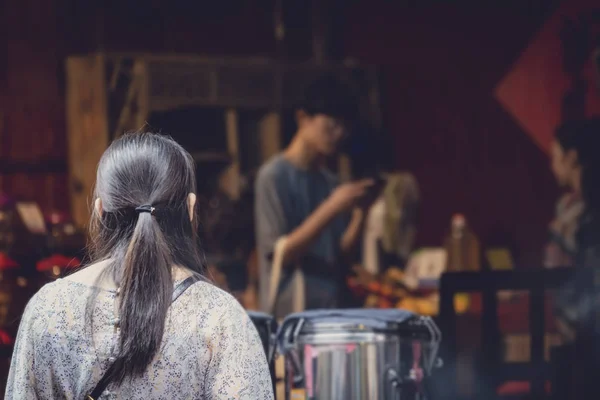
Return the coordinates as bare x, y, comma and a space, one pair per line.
563, 164
322, 132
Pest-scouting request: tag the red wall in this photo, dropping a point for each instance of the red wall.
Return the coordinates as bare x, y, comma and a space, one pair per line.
533, 90
442, 62
32, 126
441, 66
37, 35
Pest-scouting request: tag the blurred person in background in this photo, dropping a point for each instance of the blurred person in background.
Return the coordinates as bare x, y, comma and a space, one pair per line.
577, 154
127, 319
588, 156
566, 166
227, 233
299, 199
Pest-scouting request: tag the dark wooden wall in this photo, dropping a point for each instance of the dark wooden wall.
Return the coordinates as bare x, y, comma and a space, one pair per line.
32, 128
441, 61
37, 35
441, 66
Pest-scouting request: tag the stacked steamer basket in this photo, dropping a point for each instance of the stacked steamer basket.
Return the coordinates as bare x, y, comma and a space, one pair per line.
370, 354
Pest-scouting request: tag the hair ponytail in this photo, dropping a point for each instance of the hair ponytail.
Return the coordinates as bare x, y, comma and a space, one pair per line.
145, 292
142, 247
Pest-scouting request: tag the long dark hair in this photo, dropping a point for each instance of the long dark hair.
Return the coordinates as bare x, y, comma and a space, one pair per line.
583, 136
141, 248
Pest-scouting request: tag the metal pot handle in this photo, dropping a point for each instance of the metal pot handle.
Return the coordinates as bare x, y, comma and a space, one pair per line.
272, 341
393, 385
287, 344
272, 347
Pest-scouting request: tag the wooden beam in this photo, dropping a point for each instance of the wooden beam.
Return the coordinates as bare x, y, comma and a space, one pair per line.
143, 95
231, 178
134, 95
87, 129
269, 133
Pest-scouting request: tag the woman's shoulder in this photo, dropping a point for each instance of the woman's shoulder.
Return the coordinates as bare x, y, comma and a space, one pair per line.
50, 291
213, 304
50, 299
60, 289
206, 293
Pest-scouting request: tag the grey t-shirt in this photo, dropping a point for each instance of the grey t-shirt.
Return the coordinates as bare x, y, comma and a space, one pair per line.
285, 196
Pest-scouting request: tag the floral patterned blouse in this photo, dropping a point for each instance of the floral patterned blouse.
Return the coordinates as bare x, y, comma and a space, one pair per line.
210, 348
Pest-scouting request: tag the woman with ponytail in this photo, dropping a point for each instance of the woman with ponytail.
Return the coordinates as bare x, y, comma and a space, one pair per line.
140, 322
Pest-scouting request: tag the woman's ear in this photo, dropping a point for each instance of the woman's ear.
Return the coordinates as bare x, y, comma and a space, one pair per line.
191, 203
98, 206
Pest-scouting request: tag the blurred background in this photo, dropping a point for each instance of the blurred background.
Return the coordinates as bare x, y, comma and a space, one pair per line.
464, 96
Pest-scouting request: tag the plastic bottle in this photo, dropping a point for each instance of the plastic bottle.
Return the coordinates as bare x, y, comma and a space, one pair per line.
462, 247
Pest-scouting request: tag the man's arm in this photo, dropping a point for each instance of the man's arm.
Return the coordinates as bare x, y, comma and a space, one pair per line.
271, 221
341, 200
300, 239
353, 232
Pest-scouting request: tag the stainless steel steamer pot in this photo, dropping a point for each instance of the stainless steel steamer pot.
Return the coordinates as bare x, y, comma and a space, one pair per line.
366, 354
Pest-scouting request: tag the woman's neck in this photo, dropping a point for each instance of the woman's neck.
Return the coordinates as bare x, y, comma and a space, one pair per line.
301, 155
93, 275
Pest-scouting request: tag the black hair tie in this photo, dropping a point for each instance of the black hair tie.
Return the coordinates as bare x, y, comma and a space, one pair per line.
145, 208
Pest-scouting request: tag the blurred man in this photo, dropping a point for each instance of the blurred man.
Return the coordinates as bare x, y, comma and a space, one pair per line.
299, 199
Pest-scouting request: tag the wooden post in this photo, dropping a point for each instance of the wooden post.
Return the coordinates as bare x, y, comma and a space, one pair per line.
231, 177
135, 110
269, 131
87, 129
143, 95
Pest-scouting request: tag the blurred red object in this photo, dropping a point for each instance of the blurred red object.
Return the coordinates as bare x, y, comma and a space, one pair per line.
57, 217
384, 303
356, 288
57, 261
5, 338
6, 201
6, 262
516, 388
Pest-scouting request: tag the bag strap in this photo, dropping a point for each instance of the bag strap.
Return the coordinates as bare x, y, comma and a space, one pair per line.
107, 377
182, 287
102, 384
